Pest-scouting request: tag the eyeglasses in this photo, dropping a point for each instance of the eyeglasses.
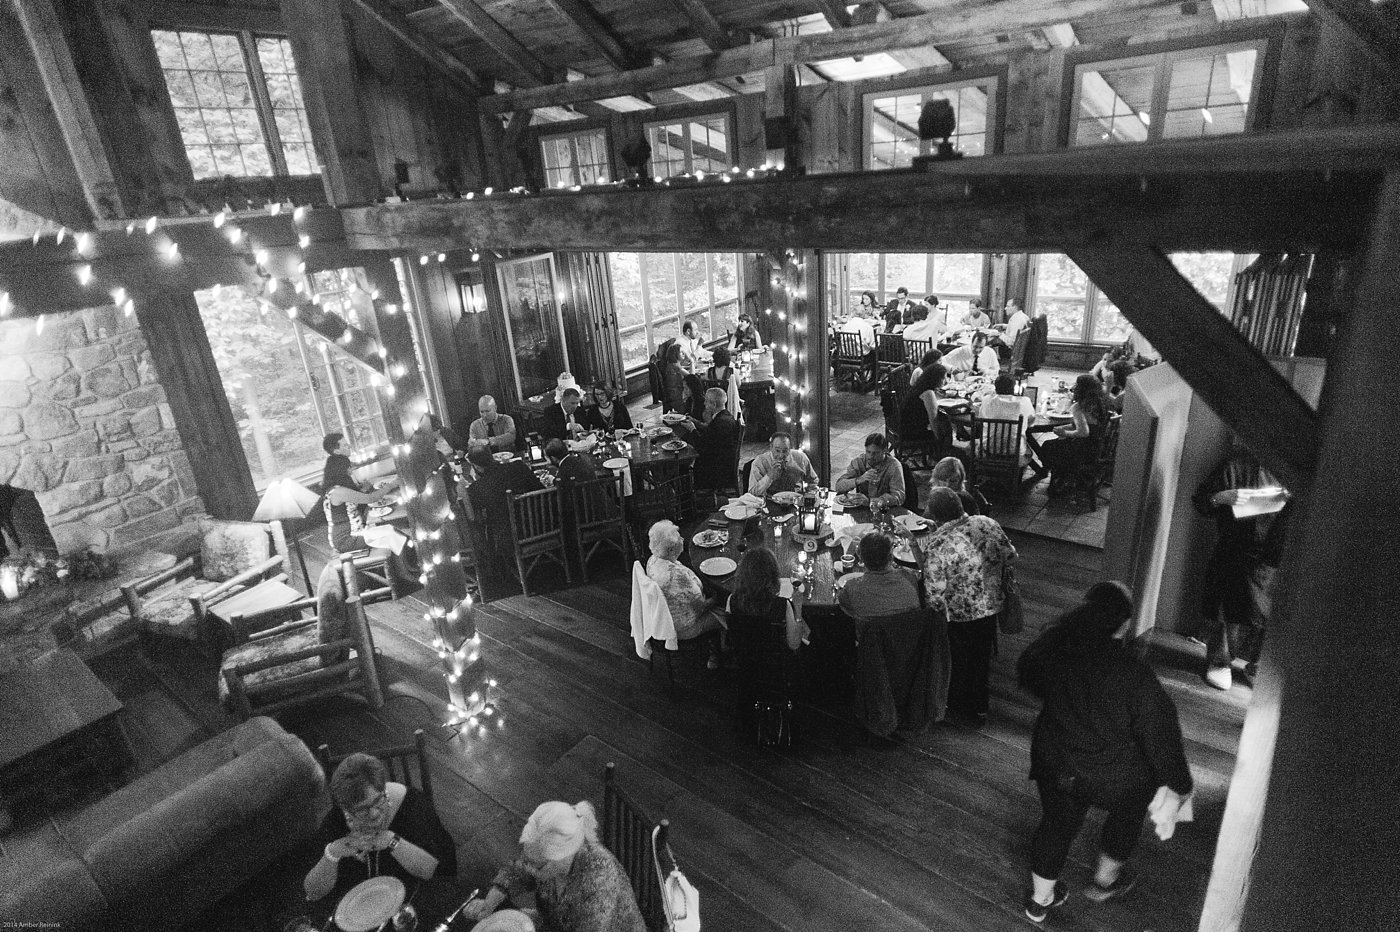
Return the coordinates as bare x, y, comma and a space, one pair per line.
370, 808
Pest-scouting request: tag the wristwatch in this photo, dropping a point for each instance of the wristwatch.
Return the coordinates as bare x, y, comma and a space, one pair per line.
393, 844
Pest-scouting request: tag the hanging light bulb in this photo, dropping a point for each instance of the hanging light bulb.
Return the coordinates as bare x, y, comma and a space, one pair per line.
151, 225
260, 256
85, 275
303, 241
299, 214
219, 219
173, 251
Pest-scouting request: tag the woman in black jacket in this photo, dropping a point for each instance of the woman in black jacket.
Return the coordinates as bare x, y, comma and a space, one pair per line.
1107, 737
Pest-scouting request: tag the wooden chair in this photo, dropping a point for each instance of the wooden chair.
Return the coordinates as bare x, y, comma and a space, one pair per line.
1094, 475
997, 451
233, 556
537, 529
668, 493
290, 661
914, 351
1032, 393
1018, 351
406, 764
599, 520
632, 836
853, 360
897, 380
889, 352
369, 575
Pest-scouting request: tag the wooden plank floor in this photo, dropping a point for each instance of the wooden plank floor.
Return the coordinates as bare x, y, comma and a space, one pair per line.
929, 832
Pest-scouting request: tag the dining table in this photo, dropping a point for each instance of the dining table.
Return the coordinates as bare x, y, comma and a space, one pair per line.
813, 577
633, 455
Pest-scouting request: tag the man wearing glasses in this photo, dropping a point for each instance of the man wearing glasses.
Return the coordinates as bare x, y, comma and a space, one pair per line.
377, 828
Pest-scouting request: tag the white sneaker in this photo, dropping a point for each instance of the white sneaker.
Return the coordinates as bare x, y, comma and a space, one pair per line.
1220, 677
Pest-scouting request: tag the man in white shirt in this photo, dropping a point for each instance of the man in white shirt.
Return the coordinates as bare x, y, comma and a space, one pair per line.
976, 316
1016, 321
876, 474
924, 327
1006, 405
863, 326
976, 357
779, 468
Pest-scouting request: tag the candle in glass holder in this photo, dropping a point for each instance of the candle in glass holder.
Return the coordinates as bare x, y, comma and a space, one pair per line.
9, 581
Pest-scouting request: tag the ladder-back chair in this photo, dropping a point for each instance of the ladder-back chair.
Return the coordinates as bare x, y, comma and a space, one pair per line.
889, 352
998, 451
406, 764
897, 380
1098, 472
852, 359
599, 521
628, 834
914, 351
537, 529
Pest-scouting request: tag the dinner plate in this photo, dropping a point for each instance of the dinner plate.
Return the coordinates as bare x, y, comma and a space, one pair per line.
718, 566
781, 519
673, 446
503, 457
672, 418
911, 522
710, 538
786, 498
852, 499
382, 511
617, 462
739, 512
842, 580
659, 432
370, 904
903, 553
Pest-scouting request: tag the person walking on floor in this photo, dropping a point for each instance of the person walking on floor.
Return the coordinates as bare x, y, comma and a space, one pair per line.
1107, 737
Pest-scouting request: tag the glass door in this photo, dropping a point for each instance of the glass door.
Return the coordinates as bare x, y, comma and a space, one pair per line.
534, 323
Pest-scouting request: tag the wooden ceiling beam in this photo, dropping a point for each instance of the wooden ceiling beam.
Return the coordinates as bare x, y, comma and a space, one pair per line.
707, 27
968, 19
1294, 192
1210, 353
912, 58
835, 13
1376, 27
398, 25
499, 40
597, 31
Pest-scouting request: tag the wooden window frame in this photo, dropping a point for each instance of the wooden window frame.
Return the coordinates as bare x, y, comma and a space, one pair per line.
684, 120
573, 137
925, 82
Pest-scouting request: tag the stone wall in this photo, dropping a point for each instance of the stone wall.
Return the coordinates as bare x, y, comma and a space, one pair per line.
85, 425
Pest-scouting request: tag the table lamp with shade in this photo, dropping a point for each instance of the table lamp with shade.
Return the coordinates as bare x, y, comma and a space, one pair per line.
290, 501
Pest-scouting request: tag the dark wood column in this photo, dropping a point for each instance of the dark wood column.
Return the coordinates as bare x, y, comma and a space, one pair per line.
179, 347
1326, 858
324, 51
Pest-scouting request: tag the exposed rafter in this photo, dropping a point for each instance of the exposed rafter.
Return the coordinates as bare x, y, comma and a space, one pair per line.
411, 36
908, 33
597, 31
471, 15
835, 13
1376, 27
912, 58
705, 25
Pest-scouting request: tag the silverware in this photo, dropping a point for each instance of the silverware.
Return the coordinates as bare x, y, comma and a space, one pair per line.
442, 927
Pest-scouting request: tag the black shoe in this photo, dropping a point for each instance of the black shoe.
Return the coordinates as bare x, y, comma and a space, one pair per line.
1127, 879
1039, 912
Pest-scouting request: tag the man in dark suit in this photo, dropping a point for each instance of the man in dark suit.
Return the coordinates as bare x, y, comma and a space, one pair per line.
564, 420
489, 524
716, 436
569, 467
899, 311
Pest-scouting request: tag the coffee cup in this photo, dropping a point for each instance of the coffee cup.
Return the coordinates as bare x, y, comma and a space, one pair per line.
848, 561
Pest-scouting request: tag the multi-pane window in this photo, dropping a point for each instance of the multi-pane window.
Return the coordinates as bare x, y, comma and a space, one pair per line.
1173, 95
688, 146
892, 121
575, 158
237, 102
655, 293
1077, 312
954, 277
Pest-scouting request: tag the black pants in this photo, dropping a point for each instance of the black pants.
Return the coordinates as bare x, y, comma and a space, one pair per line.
1064, 804
971, 645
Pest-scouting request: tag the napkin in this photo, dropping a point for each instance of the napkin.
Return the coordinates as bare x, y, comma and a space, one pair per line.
1167, 809
754, 501
785, 587
582, 446
384, 536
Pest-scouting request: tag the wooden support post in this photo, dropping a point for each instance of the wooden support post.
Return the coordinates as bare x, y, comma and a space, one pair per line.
324, 51
1327, 836
54, 58
782, 129
184, 361
1212, 356
801, 384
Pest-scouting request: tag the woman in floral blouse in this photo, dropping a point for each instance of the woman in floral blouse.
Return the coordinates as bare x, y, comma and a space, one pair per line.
964, 559
692, 613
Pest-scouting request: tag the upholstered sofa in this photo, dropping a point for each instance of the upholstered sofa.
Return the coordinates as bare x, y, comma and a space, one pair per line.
159, 851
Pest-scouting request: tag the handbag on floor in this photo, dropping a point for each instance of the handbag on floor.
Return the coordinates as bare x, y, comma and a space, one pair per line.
1010, 620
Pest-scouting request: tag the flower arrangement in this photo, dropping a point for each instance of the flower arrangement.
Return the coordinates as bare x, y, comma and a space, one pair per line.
38, 568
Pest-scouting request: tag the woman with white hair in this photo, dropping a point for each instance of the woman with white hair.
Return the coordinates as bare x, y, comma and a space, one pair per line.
692, 613
577, 883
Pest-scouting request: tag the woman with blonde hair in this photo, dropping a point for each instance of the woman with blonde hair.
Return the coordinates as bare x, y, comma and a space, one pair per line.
577, 883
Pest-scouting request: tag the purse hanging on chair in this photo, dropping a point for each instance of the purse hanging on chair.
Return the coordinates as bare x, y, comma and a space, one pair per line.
1010, 620
679, 898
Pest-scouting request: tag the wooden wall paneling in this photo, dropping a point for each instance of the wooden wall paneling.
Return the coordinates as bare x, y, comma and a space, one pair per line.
435, 294
1337, 77
748, 123
826, 119
1325, 853
1298, 51
496, 344
323, 47
179, 346
39, 177
58, 65
782, 111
